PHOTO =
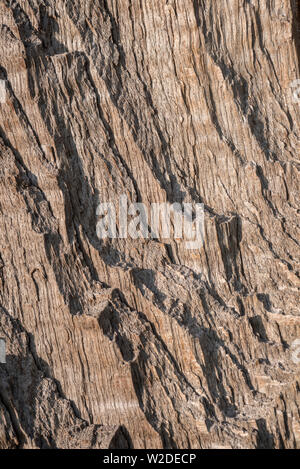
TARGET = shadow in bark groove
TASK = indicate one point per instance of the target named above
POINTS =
(265, 440)
(27, 386)
(20, 380)
(121, 440)
(208, 340)
(143, 348)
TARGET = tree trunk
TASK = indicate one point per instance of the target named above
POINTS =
(146, 342)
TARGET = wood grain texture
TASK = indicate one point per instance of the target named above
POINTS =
(142, 343)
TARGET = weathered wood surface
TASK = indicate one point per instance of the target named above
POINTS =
(142, 343)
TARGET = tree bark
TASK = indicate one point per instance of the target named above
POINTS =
(119, 343)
